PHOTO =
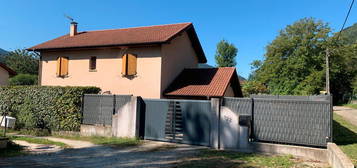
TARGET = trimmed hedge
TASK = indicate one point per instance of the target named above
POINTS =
(45, 107)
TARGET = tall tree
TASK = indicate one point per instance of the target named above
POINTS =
(295, 61)
(226, 54)
(22, 61)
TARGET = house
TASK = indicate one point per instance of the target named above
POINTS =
(142, 61)
(5, 74)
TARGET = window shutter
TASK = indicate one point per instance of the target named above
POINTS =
(124, 65)
(58, 72)
(131, 70)
(64, 66)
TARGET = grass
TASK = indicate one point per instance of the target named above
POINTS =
(109, 141)
(38, 141)
(12, 150)
(351, 105)
(33, 132)
(345, 136)
(214, 158)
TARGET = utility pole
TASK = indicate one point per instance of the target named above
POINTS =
(327, 72)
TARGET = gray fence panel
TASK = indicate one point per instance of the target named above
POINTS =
(197, 119)
(91, 107)
(289, 97)
(155, 118)
(98, 109)
(292, 121)
(120, 101)
(106, 112)
(241, 106)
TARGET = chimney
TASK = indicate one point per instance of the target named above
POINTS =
(73, 29)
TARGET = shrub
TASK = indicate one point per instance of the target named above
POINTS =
(23, 79)
(45, 107)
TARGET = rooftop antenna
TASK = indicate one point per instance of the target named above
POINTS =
(70, 18)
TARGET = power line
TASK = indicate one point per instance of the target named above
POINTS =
(328, 52)
(344, 23)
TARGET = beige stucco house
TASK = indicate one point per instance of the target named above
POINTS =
(5, 74)
(142, 61)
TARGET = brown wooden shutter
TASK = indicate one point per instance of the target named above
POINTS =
(58, 72)
(124, 64)
(64, 66)
(131, 64)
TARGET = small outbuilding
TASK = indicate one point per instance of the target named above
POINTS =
(5, 74)
(205, 83)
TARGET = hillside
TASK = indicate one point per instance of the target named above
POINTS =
(2, 52)
(350, 33)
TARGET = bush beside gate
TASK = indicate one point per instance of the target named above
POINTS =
(44, 107)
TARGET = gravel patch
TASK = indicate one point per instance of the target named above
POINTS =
(150, 154)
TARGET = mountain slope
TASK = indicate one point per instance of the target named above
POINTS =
(350, 33)
(2, 51)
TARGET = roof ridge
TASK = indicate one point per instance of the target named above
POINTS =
(188, 23)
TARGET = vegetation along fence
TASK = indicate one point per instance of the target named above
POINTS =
(99, 109)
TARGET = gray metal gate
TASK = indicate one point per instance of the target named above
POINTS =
(182, 121)
(99, 109)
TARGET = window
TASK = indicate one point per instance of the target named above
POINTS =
(62, 66)
(93, 63)
(129, 64)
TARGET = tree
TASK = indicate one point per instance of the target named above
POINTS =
(253, 87)
(22, 61)
(23, 79)
(295, 61)
(226, 54)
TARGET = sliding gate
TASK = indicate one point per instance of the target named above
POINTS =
(181, 121)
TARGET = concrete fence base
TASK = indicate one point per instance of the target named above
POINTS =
(94, 130)
(332, 155)
(336, 158)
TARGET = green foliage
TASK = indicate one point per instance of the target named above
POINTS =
(226, 54)
(23, 79)
(350, 34)
(253, 87)
(215, 158)
(44, 107)
(22, 61)
(38, 141)
(110, 141)
(345, 136)
(294, 62)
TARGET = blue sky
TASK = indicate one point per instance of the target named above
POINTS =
(250, 25)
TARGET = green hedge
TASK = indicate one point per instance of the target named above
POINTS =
(45, 107)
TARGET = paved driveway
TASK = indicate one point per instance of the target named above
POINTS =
(152, 154)
(347, 113)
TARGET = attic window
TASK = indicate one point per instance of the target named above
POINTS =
(62, 66)
(129, 64)
(93, 63)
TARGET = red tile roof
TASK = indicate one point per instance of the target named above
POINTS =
(9, 70)
(205, 82)
(124, 37)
